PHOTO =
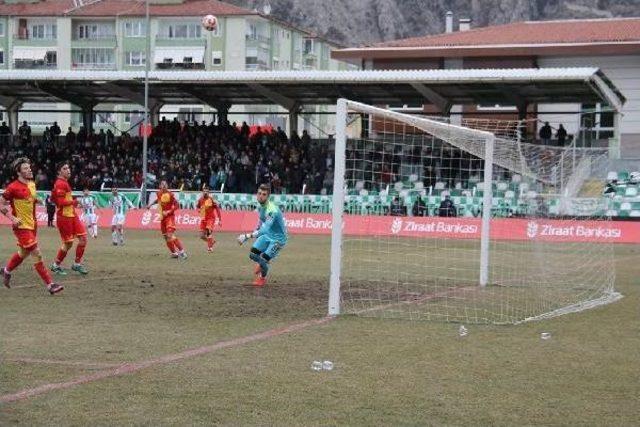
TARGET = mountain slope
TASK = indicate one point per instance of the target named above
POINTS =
(361, 22)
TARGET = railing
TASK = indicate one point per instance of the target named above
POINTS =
(164, 37)
(111, 37)
(89, 66)
(258, 38)
(33, 65)
(26, 36)
(257, 67)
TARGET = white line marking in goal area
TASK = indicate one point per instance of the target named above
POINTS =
(99, 365)
(129, 368)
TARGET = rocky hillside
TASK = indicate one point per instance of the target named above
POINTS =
(361, 22)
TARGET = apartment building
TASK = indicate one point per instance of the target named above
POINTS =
(111, 35)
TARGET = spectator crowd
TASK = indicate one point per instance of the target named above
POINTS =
(187, 155)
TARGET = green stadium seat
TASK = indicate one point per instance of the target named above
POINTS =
(623, 176)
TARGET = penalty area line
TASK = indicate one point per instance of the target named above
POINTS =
(129, 368)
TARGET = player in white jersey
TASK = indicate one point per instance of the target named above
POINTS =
(120, 205)
(88, 204)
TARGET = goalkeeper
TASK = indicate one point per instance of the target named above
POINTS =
(270, 235)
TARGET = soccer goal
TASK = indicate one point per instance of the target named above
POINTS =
(459, 222)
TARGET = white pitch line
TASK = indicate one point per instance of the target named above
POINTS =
(129, 368)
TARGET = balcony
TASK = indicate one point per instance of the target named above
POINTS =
(92, 66)
(256, 67)
(34, 65)
(165, 41)
(93, 38)
(25, 39)
(105, 41)
(258, 38)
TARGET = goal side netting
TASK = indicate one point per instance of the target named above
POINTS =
(459, 222)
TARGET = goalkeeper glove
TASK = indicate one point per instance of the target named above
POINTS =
(243, 238)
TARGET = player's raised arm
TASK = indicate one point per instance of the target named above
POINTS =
(128, 202)
(152, 203)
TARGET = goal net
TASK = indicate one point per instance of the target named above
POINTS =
(462, 223)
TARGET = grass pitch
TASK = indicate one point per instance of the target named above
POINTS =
(138, 305)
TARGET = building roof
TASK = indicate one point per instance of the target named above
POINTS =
(563, 37)
(289, 89)
(103, 8)
(533, 33)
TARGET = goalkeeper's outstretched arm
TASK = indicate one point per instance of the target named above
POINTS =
(246, 236)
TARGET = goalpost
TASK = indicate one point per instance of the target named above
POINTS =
(459, 222)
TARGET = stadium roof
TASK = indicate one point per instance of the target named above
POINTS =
(568, 37)
(292, 89)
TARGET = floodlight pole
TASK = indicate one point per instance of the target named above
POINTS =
(146, 106)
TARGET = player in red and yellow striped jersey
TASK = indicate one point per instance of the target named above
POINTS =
(168, 205)
(209, 211)
(68, 222)
(21, 196)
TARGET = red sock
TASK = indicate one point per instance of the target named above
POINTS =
(79, 253)
(60, 257)
(171, 246)
(14, 262)
(210, 241)
(43, 273)
(177, 243)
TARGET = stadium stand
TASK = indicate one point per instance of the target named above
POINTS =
(187, 155)
(237, 158)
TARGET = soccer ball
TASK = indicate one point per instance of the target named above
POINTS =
(210, 23)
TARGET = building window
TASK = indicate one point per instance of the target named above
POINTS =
(135, 29)
(94, 31)
(1, 29)
(44, 31)
(257, 59)
(1, 57)
(596, 123)
(134, 117)
(93, 58)
(307, 46)
(252, 32)
(135, 59)
(183, 31)
(216, 57)
(105, 118)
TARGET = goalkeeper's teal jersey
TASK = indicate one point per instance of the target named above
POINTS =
(272, 223)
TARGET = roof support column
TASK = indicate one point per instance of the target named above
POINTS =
(522, 121)
(154, 113)
(12, 111)
(222, 113)
(294, 115)
(87, 118)
(615, 143)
